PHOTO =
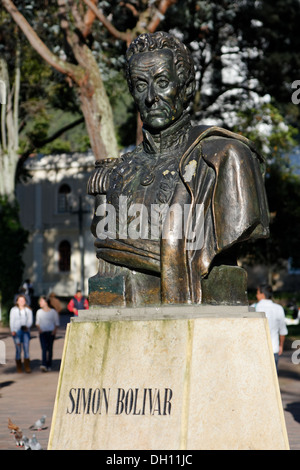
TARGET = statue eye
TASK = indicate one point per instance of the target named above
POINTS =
(162, 83)
(141, 86)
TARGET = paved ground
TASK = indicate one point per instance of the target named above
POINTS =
(26, 397)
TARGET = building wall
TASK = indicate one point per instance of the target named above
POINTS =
(40, 214)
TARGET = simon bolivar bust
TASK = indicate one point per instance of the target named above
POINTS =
(169, 214)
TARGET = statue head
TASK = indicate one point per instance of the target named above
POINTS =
(161, 78)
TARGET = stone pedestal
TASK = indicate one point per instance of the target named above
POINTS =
(168, 378)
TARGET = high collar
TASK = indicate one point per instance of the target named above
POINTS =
(168, 139)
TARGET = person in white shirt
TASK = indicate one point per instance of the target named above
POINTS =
(276, 318)
(20, 321)
(47, 321)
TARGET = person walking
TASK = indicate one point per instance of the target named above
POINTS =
(20, 322)
(276, 318)
(47, 321)
(78, 302)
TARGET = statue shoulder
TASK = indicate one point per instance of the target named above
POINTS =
(219, 145)
(216, 147)
(107, 168)
(97, 183)
(217, 137)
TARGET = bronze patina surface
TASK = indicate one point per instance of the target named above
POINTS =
(170, 214)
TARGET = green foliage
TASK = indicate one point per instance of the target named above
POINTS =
(45, 123)
(39, 131)
(57, 146)
(283, 193)
(272, 29)
(266, 127)
(294, 332)
(274, 138)
(13, 239)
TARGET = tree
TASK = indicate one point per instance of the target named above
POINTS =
(273, 33)
(30, 95)
(246, 54)
(84, 74)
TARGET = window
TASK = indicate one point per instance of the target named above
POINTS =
(63, 198)
(64, 260)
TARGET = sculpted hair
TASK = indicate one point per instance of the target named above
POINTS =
(184, 64)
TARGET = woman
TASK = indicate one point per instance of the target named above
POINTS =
(20, 321)
(46, 322)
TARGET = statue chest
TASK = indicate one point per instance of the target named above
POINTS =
(143, 185)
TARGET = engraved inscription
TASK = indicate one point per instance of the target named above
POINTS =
(120, 401)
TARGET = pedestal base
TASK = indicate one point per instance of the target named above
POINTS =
(174, 377)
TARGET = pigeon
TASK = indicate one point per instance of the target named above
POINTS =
(34, 444)
(13, 428)
(26, 443)
(39, 424)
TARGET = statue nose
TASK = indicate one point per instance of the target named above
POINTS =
(151, 95)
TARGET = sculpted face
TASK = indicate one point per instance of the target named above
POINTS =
(157, 90)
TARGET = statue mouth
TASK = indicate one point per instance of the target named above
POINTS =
(156, 110)
(157, 113)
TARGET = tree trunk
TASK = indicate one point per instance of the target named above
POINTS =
(96, 107)
(9, 131)
(8, 164)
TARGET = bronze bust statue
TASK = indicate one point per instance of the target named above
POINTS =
(170, 214)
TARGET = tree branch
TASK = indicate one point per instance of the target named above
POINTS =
(107, 24)
(225, 88)
(73, 71)
(159, 14)
(49, 139)
(131, 8)
(72, 38)
(88, 20)
(127, 36)
(79, 22)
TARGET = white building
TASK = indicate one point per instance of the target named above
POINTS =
(57, 212)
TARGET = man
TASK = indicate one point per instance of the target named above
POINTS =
(78, 302)
(210, 178)
(276, 318)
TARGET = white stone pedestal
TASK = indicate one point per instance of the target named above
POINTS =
(168, 378)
